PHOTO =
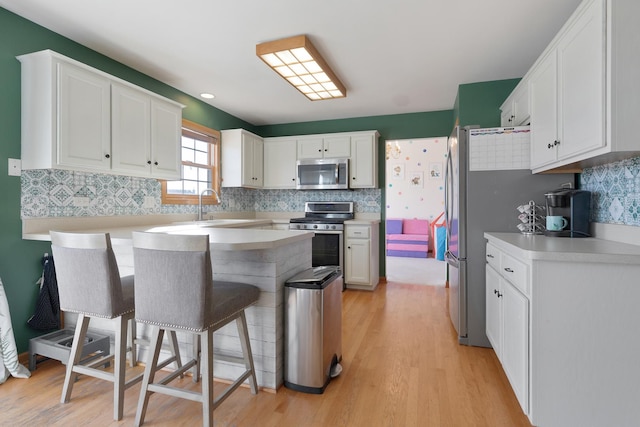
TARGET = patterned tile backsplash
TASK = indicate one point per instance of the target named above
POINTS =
(615, 191)
(58, 193)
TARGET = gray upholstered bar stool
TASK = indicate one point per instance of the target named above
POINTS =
(90, 285)
(175, 291)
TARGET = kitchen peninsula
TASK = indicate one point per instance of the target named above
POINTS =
(265, 258)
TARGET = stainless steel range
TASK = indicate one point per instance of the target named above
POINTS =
(326, 219)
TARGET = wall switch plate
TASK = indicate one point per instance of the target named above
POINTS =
(15, 167)
(149, 202)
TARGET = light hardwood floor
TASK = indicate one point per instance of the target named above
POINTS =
(401, 365)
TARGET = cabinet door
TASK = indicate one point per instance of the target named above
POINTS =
(506, 114)
(521, 105)
(310, 148)
(356, 259)
(252, 161)
(130, 130)
(494, 310)
(363, 163)
(166, 133)
(280, 163)
(258, 162)
(544, 112)
(337, 147)
(84, 119)
(515, 342)
(581, 84)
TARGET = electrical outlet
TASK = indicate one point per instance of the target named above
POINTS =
(81, 201)
(15, 167)
(149, 202)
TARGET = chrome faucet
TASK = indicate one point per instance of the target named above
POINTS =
(206, 190)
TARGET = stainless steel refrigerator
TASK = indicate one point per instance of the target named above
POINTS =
(481, 198)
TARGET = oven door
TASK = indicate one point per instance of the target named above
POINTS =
(327, 248)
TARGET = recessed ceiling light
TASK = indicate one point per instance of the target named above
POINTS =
(207, 95)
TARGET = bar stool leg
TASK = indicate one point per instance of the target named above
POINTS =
(243, 333)
(74, 356)
(207, 378)
(149, 373)
(195, 371)
(119, 367)
(133, 350)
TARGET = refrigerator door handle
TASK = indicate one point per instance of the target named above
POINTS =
(451, 259)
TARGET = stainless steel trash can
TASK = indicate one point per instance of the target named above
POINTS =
(313, 329)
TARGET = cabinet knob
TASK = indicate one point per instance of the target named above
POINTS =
(495, 291)
(155, 163)
(508, 270)
(490, 256)
(549, 145)
(107, 156)
(499, 295)
(326, 149)
(353, 178)
(320, 151)
(556, 142)
(348, 247)
(148, 162)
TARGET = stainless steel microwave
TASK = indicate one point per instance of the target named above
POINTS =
(322, 174)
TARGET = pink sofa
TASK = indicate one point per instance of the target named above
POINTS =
(407, 237)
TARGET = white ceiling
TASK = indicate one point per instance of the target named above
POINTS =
(394, 57)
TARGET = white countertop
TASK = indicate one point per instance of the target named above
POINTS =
(221, 237)
(362, 221)
(565, 249)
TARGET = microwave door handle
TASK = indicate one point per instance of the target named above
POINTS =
(337, 173)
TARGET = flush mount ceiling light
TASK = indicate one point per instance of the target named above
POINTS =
(206, 95)
(298, 62)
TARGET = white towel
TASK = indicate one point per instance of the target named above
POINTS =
(9, 364)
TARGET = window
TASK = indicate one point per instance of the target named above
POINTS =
(200, 153)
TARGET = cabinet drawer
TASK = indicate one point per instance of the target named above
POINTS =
(493, 256)
(358, 232)
(515, 272)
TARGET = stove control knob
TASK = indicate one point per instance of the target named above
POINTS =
(333, 227)
(315, 226)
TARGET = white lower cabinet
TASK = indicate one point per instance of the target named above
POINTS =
(361, 256)
(507, 324)
(515, 342)
(561, 315)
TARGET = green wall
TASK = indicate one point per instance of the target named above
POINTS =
(479, 103)
(20, 261)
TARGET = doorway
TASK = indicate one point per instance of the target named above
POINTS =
(414, 190)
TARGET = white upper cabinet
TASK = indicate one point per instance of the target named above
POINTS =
(131, 115)
(83, 118)
(144, 134)
(324, 146)
(516, 109)
(78, 118)
(166, 129)
(280, 163)
(360, 148)
(242, 159)
(584, 89)
(363, 164)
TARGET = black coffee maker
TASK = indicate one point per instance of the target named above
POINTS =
(575, 206)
